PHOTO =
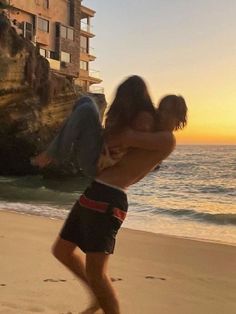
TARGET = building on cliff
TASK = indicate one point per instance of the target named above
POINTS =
(62, 31)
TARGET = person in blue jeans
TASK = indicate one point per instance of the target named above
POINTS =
(81, 138)
(88, 236)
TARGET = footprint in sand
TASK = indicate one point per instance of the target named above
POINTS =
(9, 305)
(22, 308)
(54, 280)
(152, 277)
(116, 279)
(36, 310)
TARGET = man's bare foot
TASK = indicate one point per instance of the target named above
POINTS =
(42, 160)
(92, 309)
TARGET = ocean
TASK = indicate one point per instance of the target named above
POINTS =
(193, 195)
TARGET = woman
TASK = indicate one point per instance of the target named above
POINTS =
(171, 115)
(81, 139)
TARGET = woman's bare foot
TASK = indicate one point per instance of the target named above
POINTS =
(42, 160)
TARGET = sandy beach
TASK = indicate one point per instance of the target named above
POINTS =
(152, 273)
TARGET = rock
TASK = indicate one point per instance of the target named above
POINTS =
(34, 102)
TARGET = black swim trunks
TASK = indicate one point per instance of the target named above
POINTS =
(95, 218)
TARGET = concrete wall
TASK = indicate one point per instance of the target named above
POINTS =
(58, 11)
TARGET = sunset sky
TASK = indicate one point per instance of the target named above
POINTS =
(185, 47)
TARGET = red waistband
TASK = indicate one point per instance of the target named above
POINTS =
(101, 207)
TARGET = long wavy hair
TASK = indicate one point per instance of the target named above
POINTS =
(131, 97)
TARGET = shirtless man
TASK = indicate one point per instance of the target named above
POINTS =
(149, 149)
(87, 238)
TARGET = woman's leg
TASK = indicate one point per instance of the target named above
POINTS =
(80, 138)
(96, 270)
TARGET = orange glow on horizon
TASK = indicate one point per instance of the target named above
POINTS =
(201, 137)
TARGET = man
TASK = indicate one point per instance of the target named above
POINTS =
(148, 150)
(96, 217)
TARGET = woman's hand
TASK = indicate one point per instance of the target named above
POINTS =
(120, 140)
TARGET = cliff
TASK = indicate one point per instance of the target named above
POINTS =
(34, 101)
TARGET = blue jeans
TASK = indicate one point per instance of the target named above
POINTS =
(80, 139)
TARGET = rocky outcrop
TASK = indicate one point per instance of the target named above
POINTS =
(33, 101)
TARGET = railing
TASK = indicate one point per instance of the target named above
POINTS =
(91, 50)
(94, 73)
(96, 89)
(86, 27)
(84, 50)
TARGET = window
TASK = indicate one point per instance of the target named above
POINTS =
(28, 26)
(70, 10)
(65, 57)
(67, 32)
(83, 85)
(84, 44)
(28, 30)
(46, 4)
(54, 55)
(43, 25)
(42, 52)
(63, 32)
(70, 33)
(57, 30)
(84, 65)
(48, 54)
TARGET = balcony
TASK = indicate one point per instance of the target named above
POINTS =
(87, 55)
(91, 53)
(86, 29)
(94, 77)
(54, 64)
(94, 73)
(86, 12)
(96, 89)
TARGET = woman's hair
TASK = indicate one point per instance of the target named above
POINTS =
(131, 97)
(176, 107)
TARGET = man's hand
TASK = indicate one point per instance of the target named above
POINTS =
(42, 160)
(151, 141)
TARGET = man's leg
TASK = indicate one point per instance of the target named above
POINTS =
(65, 252)
(71, 257)
(96, 270)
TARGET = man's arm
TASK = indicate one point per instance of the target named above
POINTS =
(151, 141)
